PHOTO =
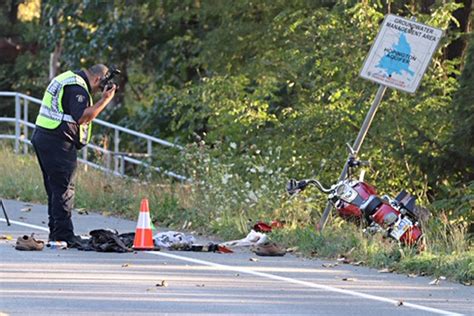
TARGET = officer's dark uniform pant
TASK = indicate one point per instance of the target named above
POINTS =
(58, 161)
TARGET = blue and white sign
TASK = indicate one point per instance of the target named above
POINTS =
(401, 53)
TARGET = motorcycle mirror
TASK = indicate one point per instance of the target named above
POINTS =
(292, 187)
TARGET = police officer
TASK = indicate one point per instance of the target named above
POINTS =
(63, 126)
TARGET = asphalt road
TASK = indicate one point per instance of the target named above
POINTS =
(72, 282)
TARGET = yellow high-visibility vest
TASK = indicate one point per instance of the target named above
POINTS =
(51, 113)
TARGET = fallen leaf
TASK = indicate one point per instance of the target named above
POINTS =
(26, 209)
(385, 270)
(435, 282)
(82, 211)
(358, 263)
(6, 237)
(253, 259)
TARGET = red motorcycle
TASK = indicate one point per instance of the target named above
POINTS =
(357, 200)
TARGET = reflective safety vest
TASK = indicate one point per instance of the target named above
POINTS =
(51, 113)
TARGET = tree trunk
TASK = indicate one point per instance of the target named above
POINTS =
(54, 61)
(458, 47)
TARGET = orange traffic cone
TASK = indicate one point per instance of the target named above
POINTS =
(143, 234)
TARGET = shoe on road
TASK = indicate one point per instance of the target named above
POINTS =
(28, 243)
(269, 249)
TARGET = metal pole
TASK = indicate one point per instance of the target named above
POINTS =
(357, 144)
(149, 153)
(17, 123)
(5, 213)
(84, 156)
(116, 149)
(25, 126)
(122, 165)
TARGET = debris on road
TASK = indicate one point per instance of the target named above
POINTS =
(358, 263)
(329, 265)
(6, 237)
(435, 282)
(163, 283)
(266, 228)
(29, 243)
(268, 249)
(344, 260)
(252, 238)
(253, 259)
(292, 249)
(349, 279)
(82, 211)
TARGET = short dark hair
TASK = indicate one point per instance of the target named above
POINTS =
(98, 70)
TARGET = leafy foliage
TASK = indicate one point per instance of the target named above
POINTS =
(267, 90)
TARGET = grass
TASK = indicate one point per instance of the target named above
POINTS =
(448, 253)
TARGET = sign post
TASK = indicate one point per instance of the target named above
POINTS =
(398, 59)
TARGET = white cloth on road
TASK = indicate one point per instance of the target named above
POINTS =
(173, 239)
(253, 238)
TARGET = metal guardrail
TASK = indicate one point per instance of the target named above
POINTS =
(120, 158)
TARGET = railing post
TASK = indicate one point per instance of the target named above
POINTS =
(25, 126)
(148, 148)
(149, 152)
(84, 156)
(17, 123)
(108, 160)
(116, 149)
(122, 165)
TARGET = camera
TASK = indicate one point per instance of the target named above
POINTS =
(107, 82)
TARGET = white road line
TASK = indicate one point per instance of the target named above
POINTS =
(279, 278)
(26, 225)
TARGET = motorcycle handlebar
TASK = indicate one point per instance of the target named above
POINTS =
(294, 186)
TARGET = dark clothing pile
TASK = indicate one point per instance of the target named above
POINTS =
(105, 240)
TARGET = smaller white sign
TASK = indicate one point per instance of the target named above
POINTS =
(401, 53)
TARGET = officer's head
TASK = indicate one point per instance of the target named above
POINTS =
(95, 74)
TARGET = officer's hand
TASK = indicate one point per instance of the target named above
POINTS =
(109, 94)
